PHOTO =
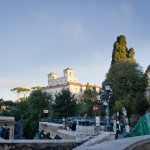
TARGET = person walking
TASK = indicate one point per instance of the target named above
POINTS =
(117, 129)
(73, 126)
(127, 128)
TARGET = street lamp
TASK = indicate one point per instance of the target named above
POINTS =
(108, 94)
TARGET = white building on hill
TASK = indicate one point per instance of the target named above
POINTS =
(55, 85)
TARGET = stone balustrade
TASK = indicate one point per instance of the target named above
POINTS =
(133, 143)
(39, 144)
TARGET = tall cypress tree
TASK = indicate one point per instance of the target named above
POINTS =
(148, 69)
(121, 52)
(130, 55)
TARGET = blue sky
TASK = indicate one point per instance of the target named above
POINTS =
(42, 36)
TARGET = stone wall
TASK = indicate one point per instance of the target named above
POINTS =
(55, 129)
(132, 143)
(39, 144)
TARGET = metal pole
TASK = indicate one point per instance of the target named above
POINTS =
(95, 118)
(108, 116)
(108, 113)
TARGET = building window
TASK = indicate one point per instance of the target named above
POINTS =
(80, 89)
(76, 89)
(70, 74)
(65, 74)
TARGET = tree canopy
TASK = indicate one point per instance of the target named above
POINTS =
(128, 83)
(148, 69)
(64, 104)
(121, 52)
(35, 104)
(20, 90)
(89, 99)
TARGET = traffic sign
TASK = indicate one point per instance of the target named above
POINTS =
(95, 108)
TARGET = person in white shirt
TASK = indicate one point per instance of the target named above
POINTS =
(127, 128)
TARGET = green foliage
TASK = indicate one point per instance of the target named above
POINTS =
(130, 55)
(20, 90)
(89, 99)
(127, 81)
(88, 86)
(121, 52)
(120, 49)
(9, 108)
(126, 78)
(65, 104)
(148, 69)
(119, 105)
(140, 105)
(35, 104)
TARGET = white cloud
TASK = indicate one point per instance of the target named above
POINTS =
(58, 69)
(121, 17)
(73, 32)
(6, 82)
(94, 74)
(11, 83)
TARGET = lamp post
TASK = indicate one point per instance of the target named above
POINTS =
(108, 94)
(104, 97)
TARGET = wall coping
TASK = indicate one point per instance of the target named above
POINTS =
(121, 144)
(12, 141)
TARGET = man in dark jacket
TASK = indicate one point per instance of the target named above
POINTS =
(117, 129)
(3, 130)
(6, 134)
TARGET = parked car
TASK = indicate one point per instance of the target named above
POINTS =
(106, 127)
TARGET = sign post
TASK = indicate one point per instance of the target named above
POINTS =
(97, 120)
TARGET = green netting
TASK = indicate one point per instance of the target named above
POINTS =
(141, 128)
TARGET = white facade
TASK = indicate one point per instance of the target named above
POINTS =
(55, 85)
(68, 77)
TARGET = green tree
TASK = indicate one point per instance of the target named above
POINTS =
(148, 69)
(20, 90)
(35, 104)
(89, 99)
(9, 108)
(120, 49)
(147, 72)
(140, 104)
(127, 82)
(65, 104)
(121, 52)
(130, 55)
